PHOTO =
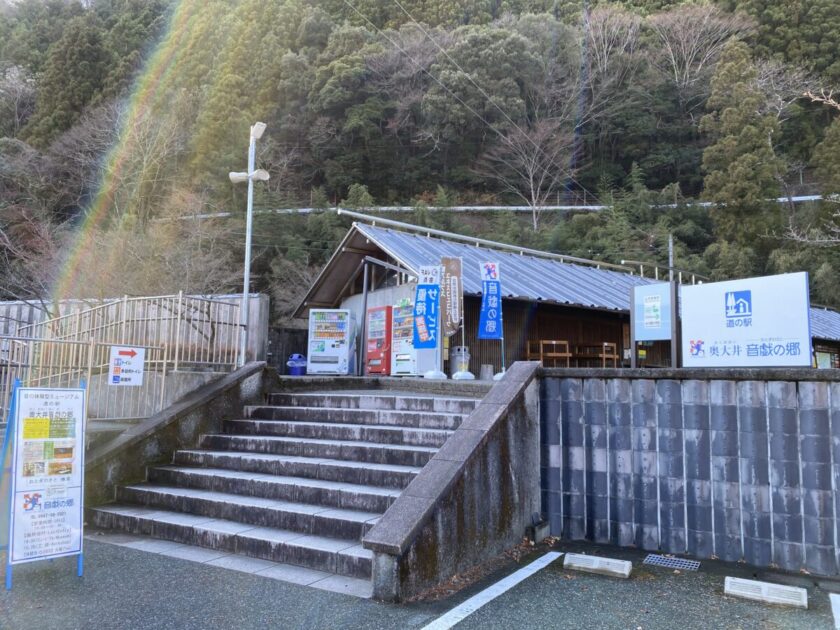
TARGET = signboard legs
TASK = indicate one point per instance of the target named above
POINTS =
(7, 474)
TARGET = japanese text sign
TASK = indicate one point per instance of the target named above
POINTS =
(426, 308)
(126, 366)
(652, 311)
(452, 306)
(47, 474)
(490, 319)
(742, 323)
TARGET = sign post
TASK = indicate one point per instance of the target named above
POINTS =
(651, 316)
(739, 323)
(427, 319)
(47, 476)
(491, 323)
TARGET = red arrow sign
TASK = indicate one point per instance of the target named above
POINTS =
(127, 353)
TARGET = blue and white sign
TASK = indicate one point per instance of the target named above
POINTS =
(741, 323)
(490, 324)
(652, 311)
(426, 308)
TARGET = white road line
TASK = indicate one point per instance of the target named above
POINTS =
(462, 611)
(835, 608)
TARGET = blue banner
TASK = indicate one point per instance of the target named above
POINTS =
(426, 301)
(490, 320)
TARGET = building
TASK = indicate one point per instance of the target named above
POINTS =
(546, 297)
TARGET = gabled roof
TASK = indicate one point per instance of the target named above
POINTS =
(524, 276)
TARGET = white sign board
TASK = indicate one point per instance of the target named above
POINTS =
(126, 366)
(652, 311)
(756, 322)
(429, 275)
(47, 474)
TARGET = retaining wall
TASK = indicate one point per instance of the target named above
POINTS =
(734, 464)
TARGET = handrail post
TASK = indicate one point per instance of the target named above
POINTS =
(177, 335)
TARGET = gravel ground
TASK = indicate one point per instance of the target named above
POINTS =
(126, 588)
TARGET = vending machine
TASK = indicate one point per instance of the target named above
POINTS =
(405, 359)
(378, 342)
(332, 342)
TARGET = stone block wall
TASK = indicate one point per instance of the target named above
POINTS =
(739, 467)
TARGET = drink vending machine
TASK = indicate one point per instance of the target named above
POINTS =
(332, 342)
(378, 342)
(405, 359)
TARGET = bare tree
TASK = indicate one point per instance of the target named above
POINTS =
(781, 84)
(692, 38)
(17, 99)
(825, 96)
(526, 163)
(825, 235)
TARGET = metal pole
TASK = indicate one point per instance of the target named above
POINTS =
(674, 309)
(244, 310)
(633, 358)
(363, 340)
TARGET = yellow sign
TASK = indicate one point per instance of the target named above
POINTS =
(36, 428)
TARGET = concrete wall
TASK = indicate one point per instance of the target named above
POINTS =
(125, 459)
(734, 464)
(473, 500)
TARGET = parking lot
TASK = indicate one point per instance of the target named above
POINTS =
(128, 588)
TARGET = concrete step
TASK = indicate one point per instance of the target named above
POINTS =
(417, 419)
(397, 402)
(344, 557)
(331, 431)
(358, 451)
(284, 488)
(327, 469)
(315, 520)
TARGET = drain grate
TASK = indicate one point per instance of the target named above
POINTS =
(671, 563)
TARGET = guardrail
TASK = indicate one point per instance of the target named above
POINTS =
(194, 331)
(68, 363)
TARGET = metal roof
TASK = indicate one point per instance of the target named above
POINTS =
(523, 277)
(825, 324)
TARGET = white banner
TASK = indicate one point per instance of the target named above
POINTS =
(755, 322)
(48, 474)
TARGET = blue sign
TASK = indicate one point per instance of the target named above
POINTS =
(738, 309)
(426, 315)
(652, 311)
(490, 321)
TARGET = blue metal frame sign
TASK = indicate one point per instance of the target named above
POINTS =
(755, 322)
(652, 312)
(47, 490)
(426, 307)
(490, 324)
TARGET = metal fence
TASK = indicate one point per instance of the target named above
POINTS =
(69, 363)
(195, 332)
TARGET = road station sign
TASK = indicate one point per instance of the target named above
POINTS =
(126, 366)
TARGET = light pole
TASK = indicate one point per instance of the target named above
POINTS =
(260, 175)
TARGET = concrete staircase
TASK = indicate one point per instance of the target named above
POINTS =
(299, 481)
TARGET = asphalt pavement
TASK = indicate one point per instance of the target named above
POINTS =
(128, 588)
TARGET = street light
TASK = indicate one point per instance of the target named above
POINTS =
(237, 178)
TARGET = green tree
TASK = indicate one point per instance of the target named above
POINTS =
(742, 169)
(73, 75)
(826, 159)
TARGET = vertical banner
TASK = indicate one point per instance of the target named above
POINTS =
(426, 304)
(451, 288)
(490, 320)
(47, 474)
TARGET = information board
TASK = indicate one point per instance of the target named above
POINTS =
(126, 366)
(755, 322)
(426, 305)
(652, 311)
(47, 474)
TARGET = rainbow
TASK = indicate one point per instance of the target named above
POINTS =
(147, 87)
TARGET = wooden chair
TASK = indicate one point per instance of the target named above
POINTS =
(554, 351)
(609, 353)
